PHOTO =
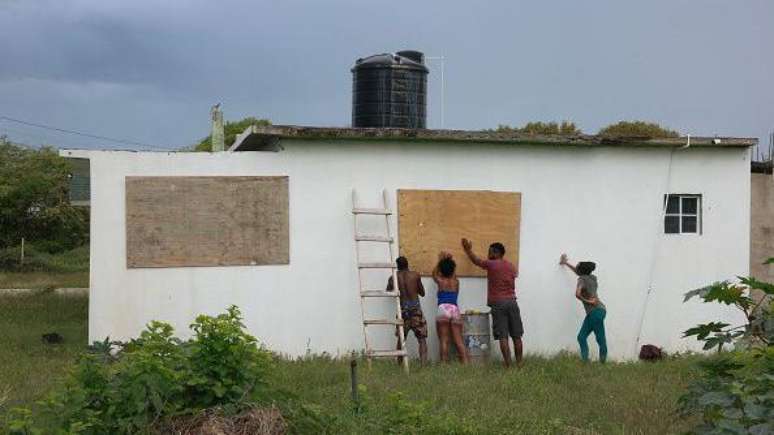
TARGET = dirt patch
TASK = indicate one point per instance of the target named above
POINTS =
(258, 421)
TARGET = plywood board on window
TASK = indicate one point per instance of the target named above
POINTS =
(433, 220)
(206, 221)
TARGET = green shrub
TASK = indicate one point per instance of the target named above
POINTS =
(231, 129)
(133, 387)
(542, 128)
(226, 364)
(637, 129)
(736, 392)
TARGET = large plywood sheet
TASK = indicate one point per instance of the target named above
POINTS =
(433, 220)
(206, 221)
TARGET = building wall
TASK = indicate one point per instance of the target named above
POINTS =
(601, 204)
(762, 226)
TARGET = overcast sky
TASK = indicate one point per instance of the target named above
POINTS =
(148, 71)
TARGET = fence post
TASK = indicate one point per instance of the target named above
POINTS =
(21, 261)
(353, 379)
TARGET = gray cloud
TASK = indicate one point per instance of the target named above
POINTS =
(149, 71)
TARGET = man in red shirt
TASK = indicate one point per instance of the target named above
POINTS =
(501, 297)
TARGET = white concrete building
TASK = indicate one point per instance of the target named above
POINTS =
(594, 198)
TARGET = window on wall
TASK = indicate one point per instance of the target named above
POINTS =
(683, 214)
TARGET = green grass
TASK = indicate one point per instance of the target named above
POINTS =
(42, 270)
(29, 367)
(557, 395)
(43, 280)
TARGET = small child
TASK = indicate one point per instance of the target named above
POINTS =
(586, 292)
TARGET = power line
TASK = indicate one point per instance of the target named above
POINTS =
(79, 133)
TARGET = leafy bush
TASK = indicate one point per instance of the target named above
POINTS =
(136, 386)
(637, 129)
(231, 129)
(226, 363)
(736, 392)
(758, 314)
(542, 128)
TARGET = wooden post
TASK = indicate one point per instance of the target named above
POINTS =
(21, 260)
(353, 376)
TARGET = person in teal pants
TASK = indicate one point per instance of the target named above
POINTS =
(586, 292)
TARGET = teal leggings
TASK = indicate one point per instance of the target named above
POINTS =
(594, 322)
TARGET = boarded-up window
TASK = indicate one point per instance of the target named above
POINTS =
(433, 220)
(206, 221)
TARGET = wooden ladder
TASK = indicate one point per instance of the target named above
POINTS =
(366, 294)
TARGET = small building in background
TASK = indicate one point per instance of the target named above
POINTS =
(80, 182)
(762, 220)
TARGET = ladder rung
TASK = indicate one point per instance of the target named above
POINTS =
(386, 353)
(371, 211)
(376, 266)
(383, 322)
(378, 294)
(372, 238)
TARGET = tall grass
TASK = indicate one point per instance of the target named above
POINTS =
(548, 396)
(43, 270)
(36, 259)
(551, 396)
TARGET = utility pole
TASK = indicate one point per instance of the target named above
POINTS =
(218, 136)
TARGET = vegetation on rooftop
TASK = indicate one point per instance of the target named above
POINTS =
(231, 129)
(637, 129)
(542, 128)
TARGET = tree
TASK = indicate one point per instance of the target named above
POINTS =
(231, 130)
(542, 128)
(637, 129)
(34, 201)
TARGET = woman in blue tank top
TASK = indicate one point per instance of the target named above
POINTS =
(448, 320)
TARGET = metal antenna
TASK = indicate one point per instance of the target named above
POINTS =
(442, 60)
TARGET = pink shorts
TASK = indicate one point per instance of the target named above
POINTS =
(448, 312)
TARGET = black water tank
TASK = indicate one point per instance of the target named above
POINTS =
(390, 90)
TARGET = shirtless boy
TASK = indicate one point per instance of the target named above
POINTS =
(410, 287)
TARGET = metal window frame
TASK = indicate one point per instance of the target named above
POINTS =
(680, 214)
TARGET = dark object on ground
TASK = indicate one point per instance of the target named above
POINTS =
(253, 421)
(52, 338)
(649, 352)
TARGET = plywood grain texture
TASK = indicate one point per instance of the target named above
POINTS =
(206, 221)
(433, 220)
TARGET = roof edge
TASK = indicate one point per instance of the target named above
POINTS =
(255, 137)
